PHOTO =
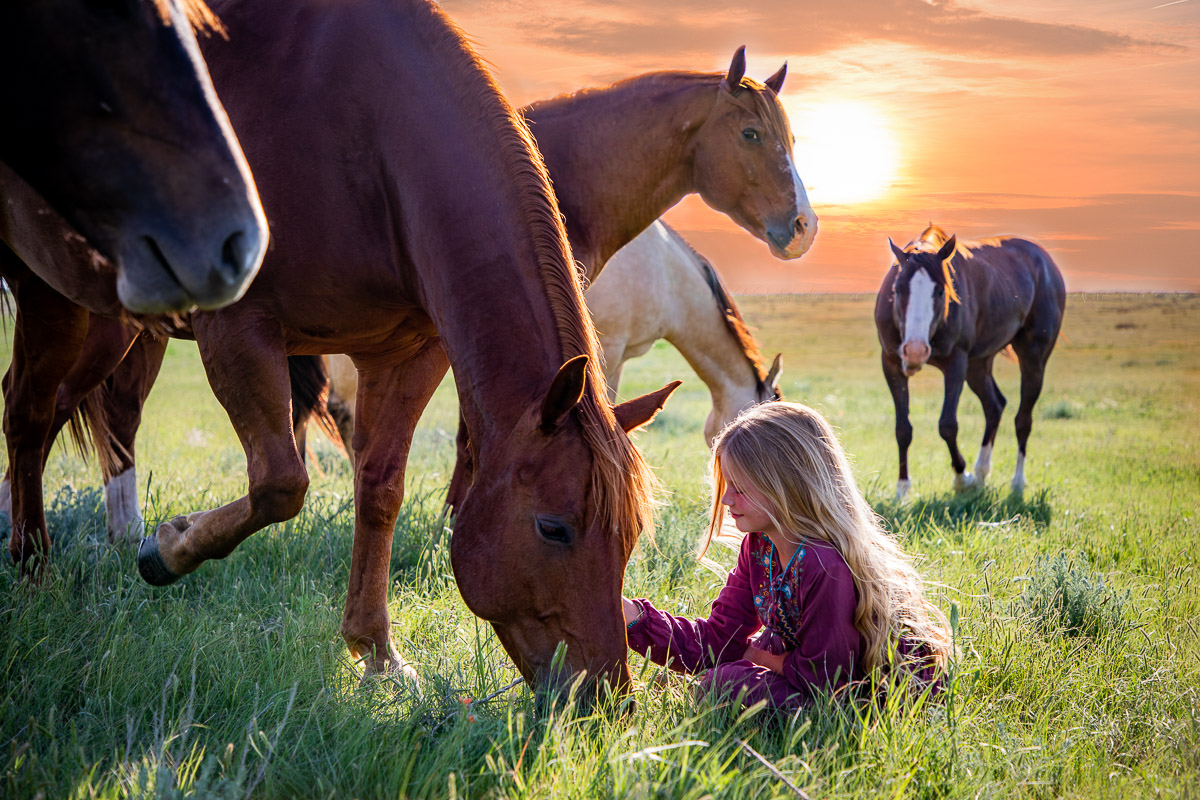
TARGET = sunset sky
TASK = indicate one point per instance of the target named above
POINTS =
(1075, 123)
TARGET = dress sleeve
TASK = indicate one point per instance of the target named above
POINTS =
(830, 646)
(696, 645)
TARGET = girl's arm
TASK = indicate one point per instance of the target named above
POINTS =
(695, 645)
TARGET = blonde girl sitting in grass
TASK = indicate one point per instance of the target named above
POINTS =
(829, 593)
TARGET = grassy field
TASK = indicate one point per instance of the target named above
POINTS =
(1077, 607)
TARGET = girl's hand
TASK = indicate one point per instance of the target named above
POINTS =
(764, 659)
(631, 610)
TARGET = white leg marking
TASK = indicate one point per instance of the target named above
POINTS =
(6, 499)
(902, 488)
(125, 522)
(983, 464)
(918, 317)
(1018, 481)
(963, 481)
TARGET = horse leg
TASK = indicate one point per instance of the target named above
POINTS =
(897, 383)
(389, 403)
(979, 378)
(954, 374)
(249, 376)
(47, 339)
(124, 398)
(464, 469)
(1032, 355)
(105, 345)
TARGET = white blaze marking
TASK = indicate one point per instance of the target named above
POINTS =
(983, 464)
(804, 211)
(918, 317)
(121, 504)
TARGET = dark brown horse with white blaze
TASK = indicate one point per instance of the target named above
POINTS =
(122, 189)
(415, 229)
(123, 186)
(955, 305)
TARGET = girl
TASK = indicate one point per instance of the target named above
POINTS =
(835, 596)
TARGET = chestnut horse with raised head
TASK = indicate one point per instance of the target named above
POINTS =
(620, 156)
(418, 232)
(122, 184)
(955, 305)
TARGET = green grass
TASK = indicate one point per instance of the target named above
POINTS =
(234, 682)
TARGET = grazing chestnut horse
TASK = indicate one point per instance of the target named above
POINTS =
(655, 287)
(955, 305)
(121, 183)
(415, 229)
(619, 157)
(658, 287)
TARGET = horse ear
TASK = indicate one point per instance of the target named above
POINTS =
(775, 82)
(565, 392)
(633, 414)
(774, 373)
(737, 68)
(901, 256)
(947, 249)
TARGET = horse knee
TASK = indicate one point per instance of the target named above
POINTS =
(904, 433)
(281, 499)
(948, 430)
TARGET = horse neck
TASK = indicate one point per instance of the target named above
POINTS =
(701, 334)
(620, 157)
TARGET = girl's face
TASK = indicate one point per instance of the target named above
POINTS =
(746, 506)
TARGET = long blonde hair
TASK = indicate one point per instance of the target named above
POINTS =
(790, 454)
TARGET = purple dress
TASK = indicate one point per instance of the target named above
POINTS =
(805, 609)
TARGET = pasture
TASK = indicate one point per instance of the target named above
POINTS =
(1076, 606)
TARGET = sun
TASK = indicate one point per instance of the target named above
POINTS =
(846, 152)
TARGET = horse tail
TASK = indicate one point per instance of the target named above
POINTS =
(90, 431)
(310, 397)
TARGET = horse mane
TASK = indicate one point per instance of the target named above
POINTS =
(730, 313)
(622, 485)
(749, 94)
(197, 13)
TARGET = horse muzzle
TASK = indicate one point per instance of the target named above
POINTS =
(795, 238)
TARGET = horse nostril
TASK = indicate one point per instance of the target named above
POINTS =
(235, 258)
(801, 225)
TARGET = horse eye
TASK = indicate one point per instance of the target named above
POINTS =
(751, 135)
(553, 531)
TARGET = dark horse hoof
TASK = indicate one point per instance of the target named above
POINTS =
(151, 566)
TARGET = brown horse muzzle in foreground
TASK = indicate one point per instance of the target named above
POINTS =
(112, 124)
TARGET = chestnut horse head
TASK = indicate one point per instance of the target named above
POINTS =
(744, 164)
(923, 291)
(111, 119)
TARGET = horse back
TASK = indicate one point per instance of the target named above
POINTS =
(1006, 284)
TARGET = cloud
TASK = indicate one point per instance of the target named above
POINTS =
(632, 27)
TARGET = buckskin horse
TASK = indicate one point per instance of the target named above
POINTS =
(415, 229)
(955, 305)
(619, 156)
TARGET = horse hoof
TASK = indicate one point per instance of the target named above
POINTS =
(150, 564)
(964, 481)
